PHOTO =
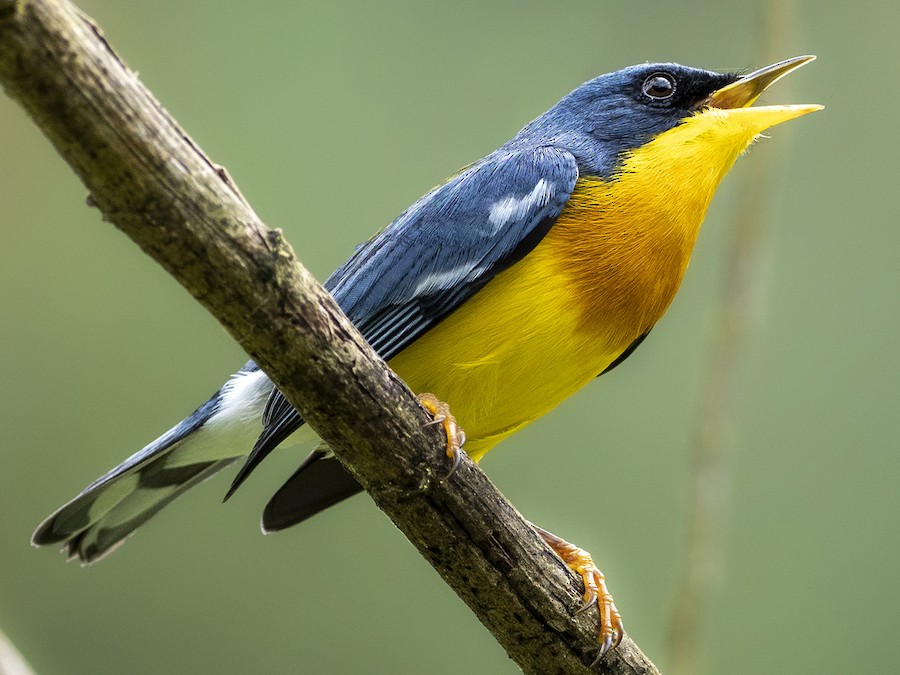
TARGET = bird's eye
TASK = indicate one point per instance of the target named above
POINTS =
(659, 86)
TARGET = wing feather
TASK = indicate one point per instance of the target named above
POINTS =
(436, 255)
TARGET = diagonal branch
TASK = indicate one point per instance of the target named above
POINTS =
(150, 180)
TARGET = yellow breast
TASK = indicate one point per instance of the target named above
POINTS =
(603, 275)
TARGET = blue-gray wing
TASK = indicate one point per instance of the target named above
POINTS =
(436, 255)
(450, 243)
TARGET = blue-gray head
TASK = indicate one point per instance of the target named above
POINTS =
(623, 110)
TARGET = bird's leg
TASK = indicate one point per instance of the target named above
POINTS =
(440, 412)
(595, 590)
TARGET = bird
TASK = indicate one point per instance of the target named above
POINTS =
(502, 291)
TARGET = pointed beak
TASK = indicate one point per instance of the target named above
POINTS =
(739, 95)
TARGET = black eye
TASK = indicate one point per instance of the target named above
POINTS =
(659, 86)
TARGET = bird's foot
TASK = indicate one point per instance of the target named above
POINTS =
(595, 590)
(456, 437)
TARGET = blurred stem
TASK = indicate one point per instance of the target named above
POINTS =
(11, 661)
(739, 308)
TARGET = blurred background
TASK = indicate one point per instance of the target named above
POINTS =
(333, 117)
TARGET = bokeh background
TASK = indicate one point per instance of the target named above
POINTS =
(333, 117)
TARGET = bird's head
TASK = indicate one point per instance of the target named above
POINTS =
(695, 113)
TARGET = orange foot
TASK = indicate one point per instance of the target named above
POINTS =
(595, 590)
(456, 437)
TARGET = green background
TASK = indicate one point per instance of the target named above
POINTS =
(333, 117)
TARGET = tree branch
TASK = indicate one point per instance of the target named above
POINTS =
(151, 181)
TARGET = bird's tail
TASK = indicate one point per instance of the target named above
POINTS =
(111, 508)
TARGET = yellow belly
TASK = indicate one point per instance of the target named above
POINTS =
(507, 356)
(538, 331)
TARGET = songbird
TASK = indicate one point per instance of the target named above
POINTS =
(502, 291)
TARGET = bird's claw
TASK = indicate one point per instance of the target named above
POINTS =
(595, 591)
(587, 604)
(604, 649)
(456, 437)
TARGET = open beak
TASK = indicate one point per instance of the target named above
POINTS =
(737, 97)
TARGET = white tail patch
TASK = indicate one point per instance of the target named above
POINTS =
(233, 428)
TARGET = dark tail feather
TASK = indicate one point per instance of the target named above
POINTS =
(320, 482)
(98, 540)
(109, 509)
(259, 453)
(280, 420)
